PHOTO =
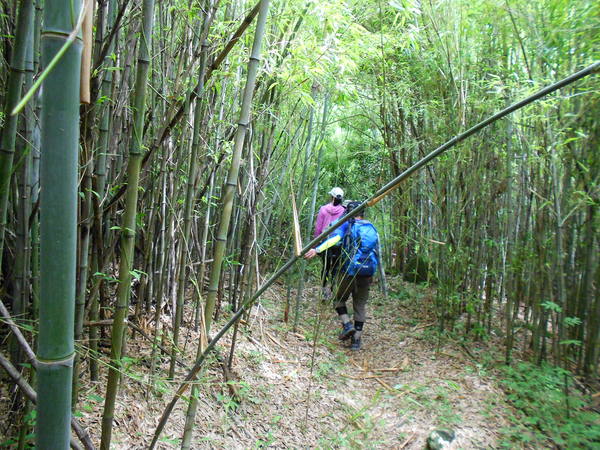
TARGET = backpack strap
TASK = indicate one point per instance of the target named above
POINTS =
(348, 233)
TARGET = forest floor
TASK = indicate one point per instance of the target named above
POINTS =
(292, 390)
(304, 389)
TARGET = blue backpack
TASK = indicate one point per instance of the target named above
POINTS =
(360, 241)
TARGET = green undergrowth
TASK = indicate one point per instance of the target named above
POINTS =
(357, 430)
(549, 410)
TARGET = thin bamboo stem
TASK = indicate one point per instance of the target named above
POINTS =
(129, 223)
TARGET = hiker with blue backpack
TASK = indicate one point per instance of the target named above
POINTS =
(358, 240)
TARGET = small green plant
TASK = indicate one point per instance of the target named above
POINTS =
(356, 434)
(550, 411)
(106, 277)
(228, 402)
(323, 369)
(255, 357)
(10, 442)
(176, 442)
(266, 441)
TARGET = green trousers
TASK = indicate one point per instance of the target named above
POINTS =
(359, 288)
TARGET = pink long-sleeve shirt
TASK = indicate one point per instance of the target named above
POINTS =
(327, 214)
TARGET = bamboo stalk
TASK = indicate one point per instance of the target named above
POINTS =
(231, 183)
(296, 229)
(58, 217)
(13, 93)
(190, 195)
(129, 223)
(86, 59)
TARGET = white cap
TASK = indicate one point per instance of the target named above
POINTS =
(336, 192)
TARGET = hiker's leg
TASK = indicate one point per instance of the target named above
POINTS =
(334, 262)
(325, 269)
(343, 291)
(360, 296)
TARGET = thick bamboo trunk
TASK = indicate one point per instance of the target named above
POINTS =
(60, 136)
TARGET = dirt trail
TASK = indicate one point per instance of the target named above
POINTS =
(390, 394)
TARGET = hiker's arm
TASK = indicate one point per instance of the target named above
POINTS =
(333, 239)
(324, 246)
(328, 243)
(336, 237)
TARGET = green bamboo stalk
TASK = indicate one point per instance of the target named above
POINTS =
(99, 183)
(129, 223)
(24, 213)
(231, 183)
(248, 244)
(83, 266)
(9, 131)
(23, 204)
(313, 200)
(105, 92)
(190, 197)
(59, 143)
(204, 243)
(592, 340)
(161, 255)
(307, 156)
(35, 173)
(86, 215)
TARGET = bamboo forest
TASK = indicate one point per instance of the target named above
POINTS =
(250, 224)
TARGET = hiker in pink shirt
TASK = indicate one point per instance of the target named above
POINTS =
(331, 257)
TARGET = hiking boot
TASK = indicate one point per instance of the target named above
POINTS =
(355, 344)
(347, 332)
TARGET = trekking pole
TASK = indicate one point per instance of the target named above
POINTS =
(375, 198)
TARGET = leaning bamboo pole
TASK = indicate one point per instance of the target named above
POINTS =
(58, 221)
(376, 197)
(129, 223)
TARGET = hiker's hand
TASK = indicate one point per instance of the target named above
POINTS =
(310, 254)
